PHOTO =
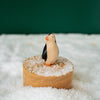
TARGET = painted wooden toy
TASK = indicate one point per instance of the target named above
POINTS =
(50, 51)
(58, 75)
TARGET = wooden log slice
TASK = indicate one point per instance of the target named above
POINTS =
(37, 74)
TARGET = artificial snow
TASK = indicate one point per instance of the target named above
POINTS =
(36, 65)
(82, 50)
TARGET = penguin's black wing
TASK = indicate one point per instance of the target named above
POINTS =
(58, 48)
(44, 53)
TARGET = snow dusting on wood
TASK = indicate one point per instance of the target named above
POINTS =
(37, 65)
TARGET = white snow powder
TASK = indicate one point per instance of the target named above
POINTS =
(82, 50)
(36, 65)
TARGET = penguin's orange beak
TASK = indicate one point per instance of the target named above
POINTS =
(46, 38)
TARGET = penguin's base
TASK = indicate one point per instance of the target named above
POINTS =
(37, 74)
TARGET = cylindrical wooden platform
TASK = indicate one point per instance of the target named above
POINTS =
(37, 74)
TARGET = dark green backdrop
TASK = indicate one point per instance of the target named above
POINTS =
(39, 16)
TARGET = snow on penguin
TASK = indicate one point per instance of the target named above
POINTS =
(50, 51)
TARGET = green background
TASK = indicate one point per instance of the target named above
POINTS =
(46, 16)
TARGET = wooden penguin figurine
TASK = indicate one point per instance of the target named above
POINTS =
(50, 51)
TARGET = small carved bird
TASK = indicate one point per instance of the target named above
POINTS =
(50, 51)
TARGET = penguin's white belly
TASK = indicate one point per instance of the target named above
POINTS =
(52, 53)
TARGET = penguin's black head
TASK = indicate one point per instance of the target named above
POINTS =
(51, 37)
(49, 33)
